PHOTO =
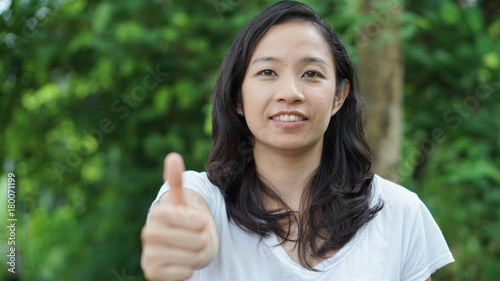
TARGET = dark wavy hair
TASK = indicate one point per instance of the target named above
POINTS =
(337, 197)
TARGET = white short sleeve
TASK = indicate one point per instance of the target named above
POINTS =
(427, 250)
(198, 182)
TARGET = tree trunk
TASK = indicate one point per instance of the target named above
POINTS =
(381, 83)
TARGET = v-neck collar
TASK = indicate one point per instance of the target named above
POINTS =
(328, 263)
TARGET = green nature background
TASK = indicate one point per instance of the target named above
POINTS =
(94, 94)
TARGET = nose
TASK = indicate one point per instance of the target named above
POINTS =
(290, 91)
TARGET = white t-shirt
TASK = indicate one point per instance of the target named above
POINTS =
(403, 242)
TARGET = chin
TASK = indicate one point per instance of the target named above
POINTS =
(294, 147)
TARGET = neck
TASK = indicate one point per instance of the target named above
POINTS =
(287, 173)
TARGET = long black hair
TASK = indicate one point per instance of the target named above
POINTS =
(337, 197)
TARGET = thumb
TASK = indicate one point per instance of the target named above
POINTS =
(172, 171)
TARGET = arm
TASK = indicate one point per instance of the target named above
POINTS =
(180, 235)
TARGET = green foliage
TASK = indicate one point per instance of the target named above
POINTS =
(451, 152)
(95, 93)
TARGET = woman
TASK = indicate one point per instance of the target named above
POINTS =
(288, 193)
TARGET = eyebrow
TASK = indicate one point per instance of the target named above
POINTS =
(259, 59)
(305, 59)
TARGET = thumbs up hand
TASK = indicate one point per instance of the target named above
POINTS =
(180, 236)
(172, 171)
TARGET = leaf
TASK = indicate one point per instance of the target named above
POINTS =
(80, 41)
(186, 93)
(474, 19)
(46, 95)
(491, 60)
(102, 16)
(449, 11)
(129, 32)
(162, 99)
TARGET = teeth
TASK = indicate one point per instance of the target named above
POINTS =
(288, 118)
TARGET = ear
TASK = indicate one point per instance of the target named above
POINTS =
(239, 109)
(340, 96)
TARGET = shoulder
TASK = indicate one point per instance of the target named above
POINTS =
(400, 204)
(393, 194)
(199, 182)
(403, 210)
(406, 221)
(195, 178)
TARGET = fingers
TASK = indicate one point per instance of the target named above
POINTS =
(172, 171)
(173, 272)
(166, 256)
(182, 239)
(165, 263)
(175, 238)
(170, 253)
(178, 216)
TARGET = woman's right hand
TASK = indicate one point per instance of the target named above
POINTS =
(180, 235)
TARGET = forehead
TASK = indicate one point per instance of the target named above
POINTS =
(293, 39)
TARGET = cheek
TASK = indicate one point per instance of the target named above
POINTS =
(254, 100)
(246, 94)
(323, 113)
(325, 106)
(253, 112)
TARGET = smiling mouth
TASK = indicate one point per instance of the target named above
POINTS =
(288, 118)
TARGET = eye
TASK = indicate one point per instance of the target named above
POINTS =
(312, 74)
(267, 72)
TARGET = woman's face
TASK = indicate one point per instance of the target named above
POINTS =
(289, 89)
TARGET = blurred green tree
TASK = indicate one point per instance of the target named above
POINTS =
(451, 154)
(95, 93)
